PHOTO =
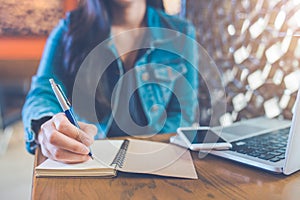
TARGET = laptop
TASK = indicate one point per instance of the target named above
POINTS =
(270, 144)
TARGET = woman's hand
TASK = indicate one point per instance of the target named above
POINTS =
(62, 141)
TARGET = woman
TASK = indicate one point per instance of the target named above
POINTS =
(151, 106)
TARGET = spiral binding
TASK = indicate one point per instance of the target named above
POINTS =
(120, 157)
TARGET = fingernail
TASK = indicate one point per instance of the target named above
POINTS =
(86, 141)
(87, 149)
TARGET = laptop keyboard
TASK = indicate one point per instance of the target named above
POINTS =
(269, 146)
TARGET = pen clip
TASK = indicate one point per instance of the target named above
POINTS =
(63, 95)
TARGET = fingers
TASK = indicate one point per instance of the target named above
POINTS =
(64, 142)
(89, 129)
(55, 153)
(85, 134)
(61, 140)
(62, 155)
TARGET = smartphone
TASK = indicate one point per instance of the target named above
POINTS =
(202, 138)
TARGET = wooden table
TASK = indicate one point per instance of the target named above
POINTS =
(218, 179)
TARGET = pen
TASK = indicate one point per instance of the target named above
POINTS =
(65, 105)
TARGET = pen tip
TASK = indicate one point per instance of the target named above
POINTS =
(91, 155)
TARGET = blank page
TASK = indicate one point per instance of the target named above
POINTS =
(159, 158)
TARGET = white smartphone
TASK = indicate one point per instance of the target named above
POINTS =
(202, 138)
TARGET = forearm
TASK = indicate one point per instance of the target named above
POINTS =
(40, 104)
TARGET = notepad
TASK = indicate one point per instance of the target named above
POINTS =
(133, 156)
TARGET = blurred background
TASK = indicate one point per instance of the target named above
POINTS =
(254, 43)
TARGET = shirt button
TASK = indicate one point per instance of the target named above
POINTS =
(145, 76)
(154, 108)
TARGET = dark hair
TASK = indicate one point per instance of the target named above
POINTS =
(88, 25)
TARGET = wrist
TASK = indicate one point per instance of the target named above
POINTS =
(36, 127)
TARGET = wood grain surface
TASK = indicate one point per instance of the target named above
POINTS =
(218, 179)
